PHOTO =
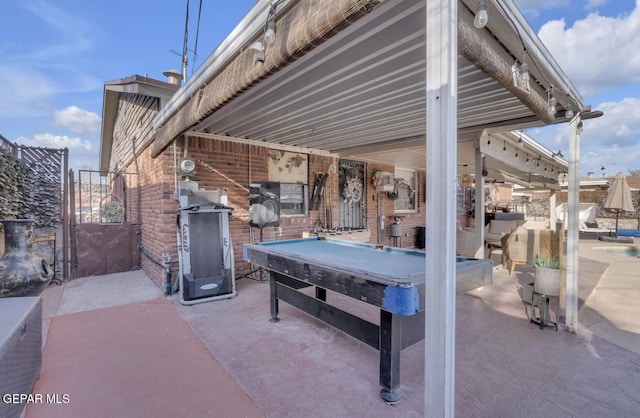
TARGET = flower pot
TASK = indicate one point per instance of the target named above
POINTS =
(22, 273)
(547, 281)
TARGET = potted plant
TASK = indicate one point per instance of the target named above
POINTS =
(546, 284)
(547, 276)
(547, 263)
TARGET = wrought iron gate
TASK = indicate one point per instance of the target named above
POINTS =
(352, 194)
(105, 222)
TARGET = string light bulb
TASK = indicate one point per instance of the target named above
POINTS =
(482, 17)
(551, 103)
(568, 113)
(524, 73)
(269, 35)
(521, 76)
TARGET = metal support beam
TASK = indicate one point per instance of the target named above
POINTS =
(441, 163)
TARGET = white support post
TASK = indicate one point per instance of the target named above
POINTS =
(552, 210)
(441, 162)
(479, 206)
(573, 203)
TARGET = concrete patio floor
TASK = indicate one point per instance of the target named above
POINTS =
(117, 347)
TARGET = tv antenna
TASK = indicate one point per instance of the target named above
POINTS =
(185, 46)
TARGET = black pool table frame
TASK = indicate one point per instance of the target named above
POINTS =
(288, 274)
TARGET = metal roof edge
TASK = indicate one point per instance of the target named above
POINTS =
(245, 32)
(537, 49)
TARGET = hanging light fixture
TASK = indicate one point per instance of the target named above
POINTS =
(466, 180)
(568, 113)
(482, 17)
(551, 103)
(270, 27)
(259, 48)
(521, 76)
(520, 141)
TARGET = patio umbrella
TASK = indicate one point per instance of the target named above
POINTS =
(619, 197)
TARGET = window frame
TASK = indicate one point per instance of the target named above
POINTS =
(304, 200)
(401, 173)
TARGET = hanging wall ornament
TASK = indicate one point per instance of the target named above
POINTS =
(352, 190)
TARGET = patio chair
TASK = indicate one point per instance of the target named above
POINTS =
(523, 245)
(496, 230)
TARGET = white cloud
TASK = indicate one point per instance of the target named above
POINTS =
(47, 140)
(80, 121)
(82, 153)
(618, 127)
(597, 52)
(23, 91)
(74, 31)
(592, 4)
(533, 7)
(37, 69)
(612, 141)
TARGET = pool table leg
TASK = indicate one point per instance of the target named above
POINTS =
(273, 297)
(390, 347)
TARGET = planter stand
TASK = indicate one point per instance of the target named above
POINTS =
(543, 320)
(546, 286)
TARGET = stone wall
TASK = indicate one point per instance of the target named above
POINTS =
(27, 192)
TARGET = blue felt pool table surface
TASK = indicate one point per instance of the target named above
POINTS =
(389, 261)
(388, 265)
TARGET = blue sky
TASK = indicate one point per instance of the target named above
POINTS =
(56, 55)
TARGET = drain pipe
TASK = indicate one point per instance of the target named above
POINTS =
(168, 272)
(166, 265)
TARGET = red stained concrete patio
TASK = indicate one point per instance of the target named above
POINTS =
(118, 348)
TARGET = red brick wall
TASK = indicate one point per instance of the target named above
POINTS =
(233, 166)
(378, 203)
(158, 211)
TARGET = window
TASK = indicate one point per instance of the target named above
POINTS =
(293, 199)
(404, 190)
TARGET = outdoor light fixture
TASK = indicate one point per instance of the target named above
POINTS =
(568, 113)
(482, 17)
(270, 33)
(270, 26)
(467, 180)
(521, 76)
(259, 48)
(552, 103)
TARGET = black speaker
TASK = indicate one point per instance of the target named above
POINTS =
(264, 204)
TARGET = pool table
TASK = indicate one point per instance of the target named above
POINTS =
(391, 279)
